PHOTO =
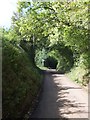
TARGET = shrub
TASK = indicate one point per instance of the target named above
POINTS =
(21, 81)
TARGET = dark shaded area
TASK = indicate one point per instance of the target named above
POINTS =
(66, 54)
(29, 49)
(54, 71)
(51, 62)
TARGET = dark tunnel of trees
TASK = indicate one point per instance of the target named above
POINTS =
(42, 35)
(50, 62)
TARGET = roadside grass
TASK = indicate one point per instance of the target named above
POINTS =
(78, 74)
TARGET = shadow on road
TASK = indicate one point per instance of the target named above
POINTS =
(54, 102)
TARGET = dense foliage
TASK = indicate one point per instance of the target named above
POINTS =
(51, 31)
(21, 81)
(60, 24)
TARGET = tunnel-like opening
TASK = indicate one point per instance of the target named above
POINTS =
(50, 62)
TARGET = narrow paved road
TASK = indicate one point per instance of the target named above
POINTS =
(61, 98)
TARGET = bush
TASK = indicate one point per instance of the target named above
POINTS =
(21, 81)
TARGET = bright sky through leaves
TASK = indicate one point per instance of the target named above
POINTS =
(7, 7)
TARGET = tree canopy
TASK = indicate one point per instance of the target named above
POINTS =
(60, 27)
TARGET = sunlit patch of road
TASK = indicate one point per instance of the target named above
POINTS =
(73, 98)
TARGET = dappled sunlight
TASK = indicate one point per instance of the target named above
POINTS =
(60, 99)
(67, 100)
(46, 42)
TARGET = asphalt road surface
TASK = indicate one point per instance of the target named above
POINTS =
(61, 98)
